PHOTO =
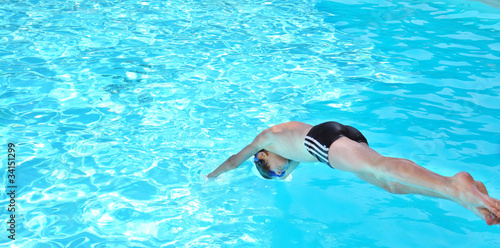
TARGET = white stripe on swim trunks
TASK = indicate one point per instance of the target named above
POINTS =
(320, 156)
(319, 145)
(315, 145)
(318, 152)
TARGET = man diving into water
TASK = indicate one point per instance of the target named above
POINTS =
(278, 150)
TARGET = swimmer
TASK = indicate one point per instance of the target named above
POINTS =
(278, 150)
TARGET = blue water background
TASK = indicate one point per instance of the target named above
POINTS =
(119, 109)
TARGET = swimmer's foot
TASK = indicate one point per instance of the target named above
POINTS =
(473, 195)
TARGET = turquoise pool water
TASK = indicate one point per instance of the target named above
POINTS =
(118, 110)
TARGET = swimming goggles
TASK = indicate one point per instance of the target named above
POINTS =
(256, 159)
(272, 173)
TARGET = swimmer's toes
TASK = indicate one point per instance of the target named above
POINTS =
(495, 206)
(494, 221)
(489, 217)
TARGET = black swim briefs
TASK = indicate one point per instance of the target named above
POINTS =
(321, 136)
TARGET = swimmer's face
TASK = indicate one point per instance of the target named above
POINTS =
(276, 164)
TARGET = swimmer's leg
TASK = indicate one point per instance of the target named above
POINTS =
(395, 187)
(402, 176)
(398, 188)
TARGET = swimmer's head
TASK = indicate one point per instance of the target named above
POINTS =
(270, 165)
(261, 165)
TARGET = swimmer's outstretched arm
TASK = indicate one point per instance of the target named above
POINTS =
(260, 142)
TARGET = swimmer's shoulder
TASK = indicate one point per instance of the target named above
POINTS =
(288, 127)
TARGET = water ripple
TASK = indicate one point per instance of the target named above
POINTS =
(119, 108)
